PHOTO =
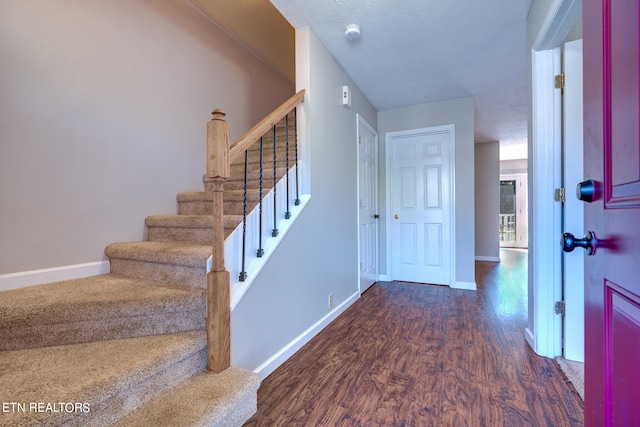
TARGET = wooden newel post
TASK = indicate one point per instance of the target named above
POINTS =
(218, 281)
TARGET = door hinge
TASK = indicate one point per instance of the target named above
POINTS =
(560, 308)
(559, 195)
(559, 81)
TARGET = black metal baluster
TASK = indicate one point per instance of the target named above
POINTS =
(287, 214)
(260, 249)
(243, 273)
(274, 233)
(297, 202)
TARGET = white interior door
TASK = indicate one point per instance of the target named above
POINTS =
(421, 204)
(368, 204)
(573, 212)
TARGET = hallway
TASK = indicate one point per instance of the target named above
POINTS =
(407, 354)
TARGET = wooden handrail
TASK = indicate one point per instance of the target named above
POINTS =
(219, 157)
(246, 141)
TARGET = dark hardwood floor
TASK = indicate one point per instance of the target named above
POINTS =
(408, 354)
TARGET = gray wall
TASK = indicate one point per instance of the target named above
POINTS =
(487, 187)
(458, 112)
(104, 108)
(319, 254)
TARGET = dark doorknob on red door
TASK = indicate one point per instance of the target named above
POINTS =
(569, 242)
(588, 191)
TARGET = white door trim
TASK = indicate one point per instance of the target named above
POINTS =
(361, 121)
(544, 331)
(545, 272)
(573, 213)
(388, 179)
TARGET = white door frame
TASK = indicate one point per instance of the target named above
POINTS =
(361, 121)
(388, 179)
(544, 330)
(573, 212)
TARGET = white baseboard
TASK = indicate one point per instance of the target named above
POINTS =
(384, 278)
(288, 350)
(528, 336)
(488, 258)
(467, 286)
(56, 274)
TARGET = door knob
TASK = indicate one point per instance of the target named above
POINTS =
(589, 242)
(396, 216)
(376, 216)
(587, 191)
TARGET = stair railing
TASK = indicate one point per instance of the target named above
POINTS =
(218, 281)
(220, 155)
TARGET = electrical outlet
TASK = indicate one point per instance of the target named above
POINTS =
(330, 300)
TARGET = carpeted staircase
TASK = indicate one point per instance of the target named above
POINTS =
(129, 348)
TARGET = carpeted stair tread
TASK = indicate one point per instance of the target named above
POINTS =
(112, 377)
(184, 221)
(200, 202)
(195, 196)
(96, 308)
(237, 170)
(253, 176)
(189, 229)
(161, 252)
(207, 196)
(267, 160)
(191, 221)
(180, 264)
(226, 399)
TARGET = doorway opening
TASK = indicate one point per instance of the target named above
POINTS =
(512, 224)
(507, 212)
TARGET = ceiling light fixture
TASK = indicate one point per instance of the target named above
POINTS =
(352, 32)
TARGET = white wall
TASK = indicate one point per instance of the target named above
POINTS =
(318, 256)
(458, 112)
(103, 109)
(487, 187)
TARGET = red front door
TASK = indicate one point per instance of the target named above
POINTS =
(612, 158)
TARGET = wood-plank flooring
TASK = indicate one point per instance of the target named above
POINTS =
(408, 354)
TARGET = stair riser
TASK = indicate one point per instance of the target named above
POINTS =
(109, 398)
(232, 207)
(52, 334)
(197, 402)
(191, 236)
(167, 273)
(238, 196)
(195, 208)
(267, 185)
(237, 170)
(253, 180)
(267, 155)
(122, 404)
(249, 404)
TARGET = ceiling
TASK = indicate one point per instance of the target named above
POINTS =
(420, 51)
